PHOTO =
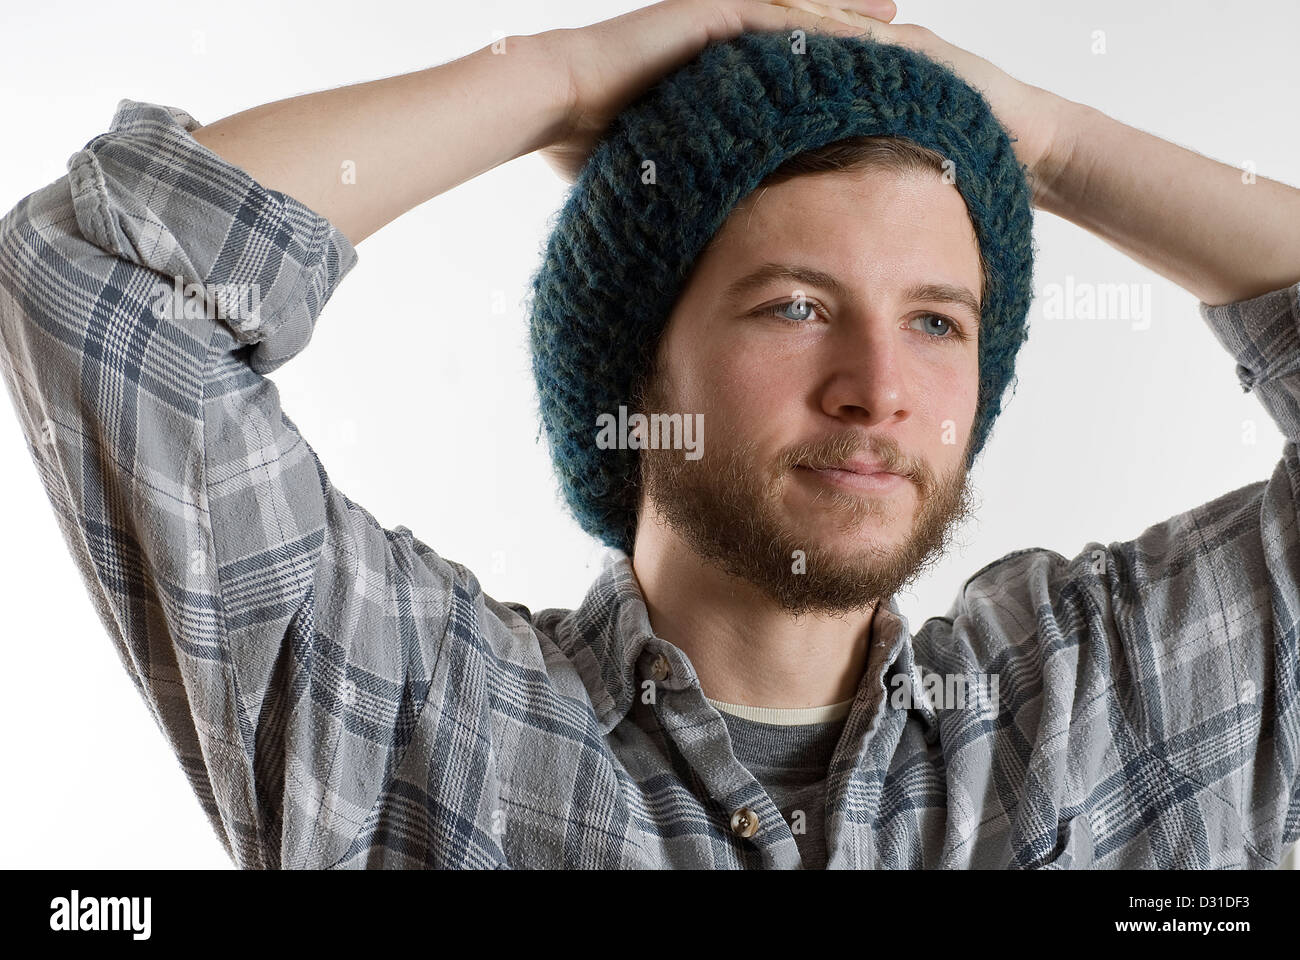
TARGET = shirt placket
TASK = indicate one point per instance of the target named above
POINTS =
(751, 816)
(867, 744)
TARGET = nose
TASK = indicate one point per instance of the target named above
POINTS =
(866, 381)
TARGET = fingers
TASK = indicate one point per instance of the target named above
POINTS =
(805, 15)
(824, 17)
(882, 10)
(841, 11)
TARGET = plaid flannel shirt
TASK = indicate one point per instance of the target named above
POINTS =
(340, 695)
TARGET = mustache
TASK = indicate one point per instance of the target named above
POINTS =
(839, 447)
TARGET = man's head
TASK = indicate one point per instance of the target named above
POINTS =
(645, 220)
(834, 316)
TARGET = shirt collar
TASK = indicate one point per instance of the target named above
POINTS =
(609, 640)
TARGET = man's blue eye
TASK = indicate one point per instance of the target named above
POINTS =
(952, 332)
(805, 310)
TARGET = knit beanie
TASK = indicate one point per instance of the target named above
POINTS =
(621, 249)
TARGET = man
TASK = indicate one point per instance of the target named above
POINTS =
(342, 695)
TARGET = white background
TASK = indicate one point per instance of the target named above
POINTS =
(419, 398)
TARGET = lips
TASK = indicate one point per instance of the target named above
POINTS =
(860, 465)
(860, 476)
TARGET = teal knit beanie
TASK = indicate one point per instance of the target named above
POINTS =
(621, 249)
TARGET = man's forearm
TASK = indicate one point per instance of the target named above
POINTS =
(1189, 218)
(400, 140)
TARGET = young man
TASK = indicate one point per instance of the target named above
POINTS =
(738, 689)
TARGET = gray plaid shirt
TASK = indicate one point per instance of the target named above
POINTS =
(340, 695)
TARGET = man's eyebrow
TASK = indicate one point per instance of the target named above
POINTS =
(939, 292)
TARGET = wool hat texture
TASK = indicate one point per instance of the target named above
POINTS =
(622, 245)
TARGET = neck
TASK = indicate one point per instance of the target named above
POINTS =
(744, 647)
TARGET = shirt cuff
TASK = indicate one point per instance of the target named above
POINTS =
(148, 192)
(1262, 334)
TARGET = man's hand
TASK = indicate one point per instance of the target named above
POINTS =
(1031, 115)
(611, 62)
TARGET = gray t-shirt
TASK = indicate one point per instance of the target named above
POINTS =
(790, 761)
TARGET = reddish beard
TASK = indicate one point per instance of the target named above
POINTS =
(728, 507)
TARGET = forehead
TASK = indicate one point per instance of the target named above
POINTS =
(874, 227)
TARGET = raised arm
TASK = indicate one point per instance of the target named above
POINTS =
(142, 298)
(1204, 606)
(1222, 232)
(364, 154)
(286, 644)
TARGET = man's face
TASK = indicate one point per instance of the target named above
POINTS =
(798, 372)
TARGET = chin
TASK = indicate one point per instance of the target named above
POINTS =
(835, 519)
(872, 534)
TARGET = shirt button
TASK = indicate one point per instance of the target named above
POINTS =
(744, 822)
(660, 668)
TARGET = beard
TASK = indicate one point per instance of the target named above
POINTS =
(728, 508)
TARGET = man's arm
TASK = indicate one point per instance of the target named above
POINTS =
(1189, 218)
(1201, 610)
(364, 154)
(291, 649)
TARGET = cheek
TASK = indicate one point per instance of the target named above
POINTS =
(729, 379)
(753, 389)
(945, 400)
